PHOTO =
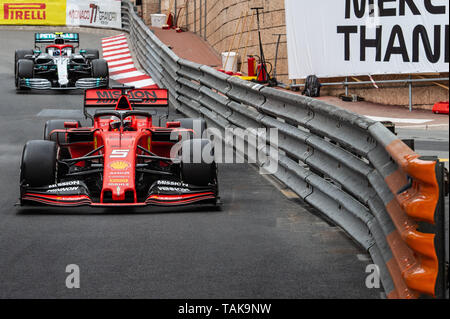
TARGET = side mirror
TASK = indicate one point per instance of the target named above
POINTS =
(70, 124)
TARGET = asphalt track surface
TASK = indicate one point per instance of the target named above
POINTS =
(261, 245)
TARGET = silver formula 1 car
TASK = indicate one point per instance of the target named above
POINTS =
(55, 63)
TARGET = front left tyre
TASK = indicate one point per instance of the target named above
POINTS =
(39, 163)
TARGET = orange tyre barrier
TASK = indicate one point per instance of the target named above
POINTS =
(416, 194)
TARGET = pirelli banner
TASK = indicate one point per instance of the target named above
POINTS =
(94, 13)
(331, 38)
(33, 12)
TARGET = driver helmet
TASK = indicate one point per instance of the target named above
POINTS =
(115, 123)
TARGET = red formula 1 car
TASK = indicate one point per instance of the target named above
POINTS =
(123, 159)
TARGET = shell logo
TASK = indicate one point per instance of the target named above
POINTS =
(119, 165)
(118, 180)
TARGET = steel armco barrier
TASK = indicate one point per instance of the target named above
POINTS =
(350, 168)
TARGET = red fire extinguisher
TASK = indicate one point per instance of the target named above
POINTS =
(251, 61)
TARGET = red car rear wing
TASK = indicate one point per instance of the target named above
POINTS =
(137, 99)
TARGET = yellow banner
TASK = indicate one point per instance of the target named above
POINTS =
(33, 12)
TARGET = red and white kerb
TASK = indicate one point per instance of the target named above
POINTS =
(121, 66)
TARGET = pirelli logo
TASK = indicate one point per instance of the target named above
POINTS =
(24, 11)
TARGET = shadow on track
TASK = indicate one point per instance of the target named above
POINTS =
(128, 211)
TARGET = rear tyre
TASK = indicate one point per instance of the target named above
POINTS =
(25, 69)
(100, 69)
(197, 163)
(197, 125)
(56, 125)
(93, 54)
(38, 167)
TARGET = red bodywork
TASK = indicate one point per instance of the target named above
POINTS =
(119, 149)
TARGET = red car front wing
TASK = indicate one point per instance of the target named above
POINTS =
(76, 194)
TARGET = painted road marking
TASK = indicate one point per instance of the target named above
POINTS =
(141, 84)
(122, 72)
(128, 66)
(289, 193)
(363, 257)
(115, 52)
(113, 38)
(126, 75)
(115, 47)
(110, 45)
(121, 62)
(426, 126)
(399, 120)
(117, 57)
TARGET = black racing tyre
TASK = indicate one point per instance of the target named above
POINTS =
(19, 55)
(197, 162)
(94, 53)
(100, 68)
(198, 125)
(38, 167)
(25, 69)
(56, 125)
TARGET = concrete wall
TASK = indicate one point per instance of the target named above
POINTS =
(222, 18)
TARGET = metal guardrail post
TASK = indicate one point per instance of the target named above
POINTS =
(410, 92)
(195, 16)
(206, 21)
(187, 14)
(200, 20)
(346, 86)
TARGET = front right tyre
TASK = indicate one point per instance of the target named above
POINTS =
(25, 69)
(100, 69)
(19, 55)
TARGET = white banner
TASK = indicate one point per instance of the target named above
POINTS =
(332, 38)
(95, 13)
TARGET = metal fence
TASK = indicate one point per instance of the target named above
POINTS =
(350, 168)
(408, 81)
